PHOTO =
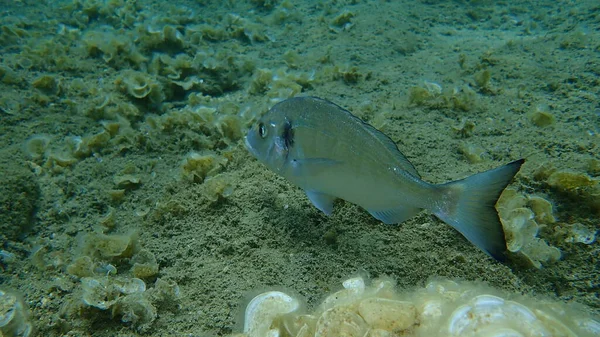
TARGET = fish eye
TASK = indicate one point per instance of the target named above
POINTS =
(262, 130)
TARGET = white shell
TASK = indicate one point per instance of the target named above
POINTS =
(495, 315)
(13, 316)
(384, 288)
(431, 309)
(385, 314)
(340, 322)
(8, 308)
(273, 333)
(300, 325)
(499, 332)
(132, 286)
(380, 333)
(354, 283)
(354, 288)
(442, 308)
(304, 331)
(264, 309)
(554, 325)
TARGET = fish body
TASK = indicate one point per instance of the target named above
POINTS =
(330, 154)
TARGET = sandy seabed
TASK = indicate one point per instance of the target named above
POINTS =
(102, 102)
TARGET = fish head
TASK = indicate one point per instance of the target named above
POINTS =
(270, 140)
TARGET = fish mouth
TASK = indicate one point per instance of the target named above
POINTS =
(249, 147)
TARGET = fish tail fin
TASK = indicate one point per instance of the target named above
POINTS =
(468, 205)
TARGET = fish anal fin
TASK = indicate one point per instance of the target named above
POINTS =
(396, 215)
(322, 201)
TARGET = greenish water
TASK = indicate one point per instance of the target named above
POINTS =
(122, 152)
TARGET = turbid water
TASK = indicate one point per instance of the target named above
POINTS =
(129, 205)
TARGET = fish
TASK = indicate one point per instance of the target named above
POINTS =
(332, 154)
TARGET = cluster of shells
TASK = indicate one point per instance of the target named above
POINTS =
(442, 308)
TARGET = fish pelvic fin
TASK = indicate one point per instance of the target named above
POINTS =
(468, 205)
(322, 201)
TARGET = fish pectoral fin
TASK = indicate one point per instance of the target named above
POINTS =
(322, 201)
(312, 166)
(396, 215)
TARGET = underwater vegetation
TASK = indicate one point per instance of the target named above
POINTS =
(113, 271)
(129, 206)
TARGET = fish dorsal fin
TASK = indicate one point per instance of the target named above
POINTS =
(389, 144)
(386, 141)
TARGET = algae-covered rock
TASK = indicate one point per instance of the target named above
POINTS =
(230, 127)
(141, 86)
(292, 59)
(522, 218)
(482, 79)
(84, 147)
(107, 44)
(419, 95)
(431, 95)
(47, 84)
(465, 129)
(541, 116)
(127, 181)
(260, 82)
(36, 146)
(137, 310)
(104, 292)
(566, 181)
(144, 264)
(123, 296)
(577, 186)
(83, 266)
(473, 153)
(39, 149)
(197, 167)
(593, 167)
(167, 37)
(218, 187)
(109, 246)
(245, 29)
(128, 299)
(282, 84)
(348, 74)
(117, 195)
(342, 21)
(19, 196)
(579, 233)
(165, 291)
(544, 171)
(542, 209)
(286, 84)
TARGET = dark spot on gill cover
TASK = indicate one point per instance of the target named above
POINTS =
(288, 134)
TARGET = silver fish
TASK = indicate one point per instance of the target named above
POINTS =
(330, 153)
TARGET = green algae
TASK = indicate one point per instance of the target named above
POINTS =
(104, 84)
